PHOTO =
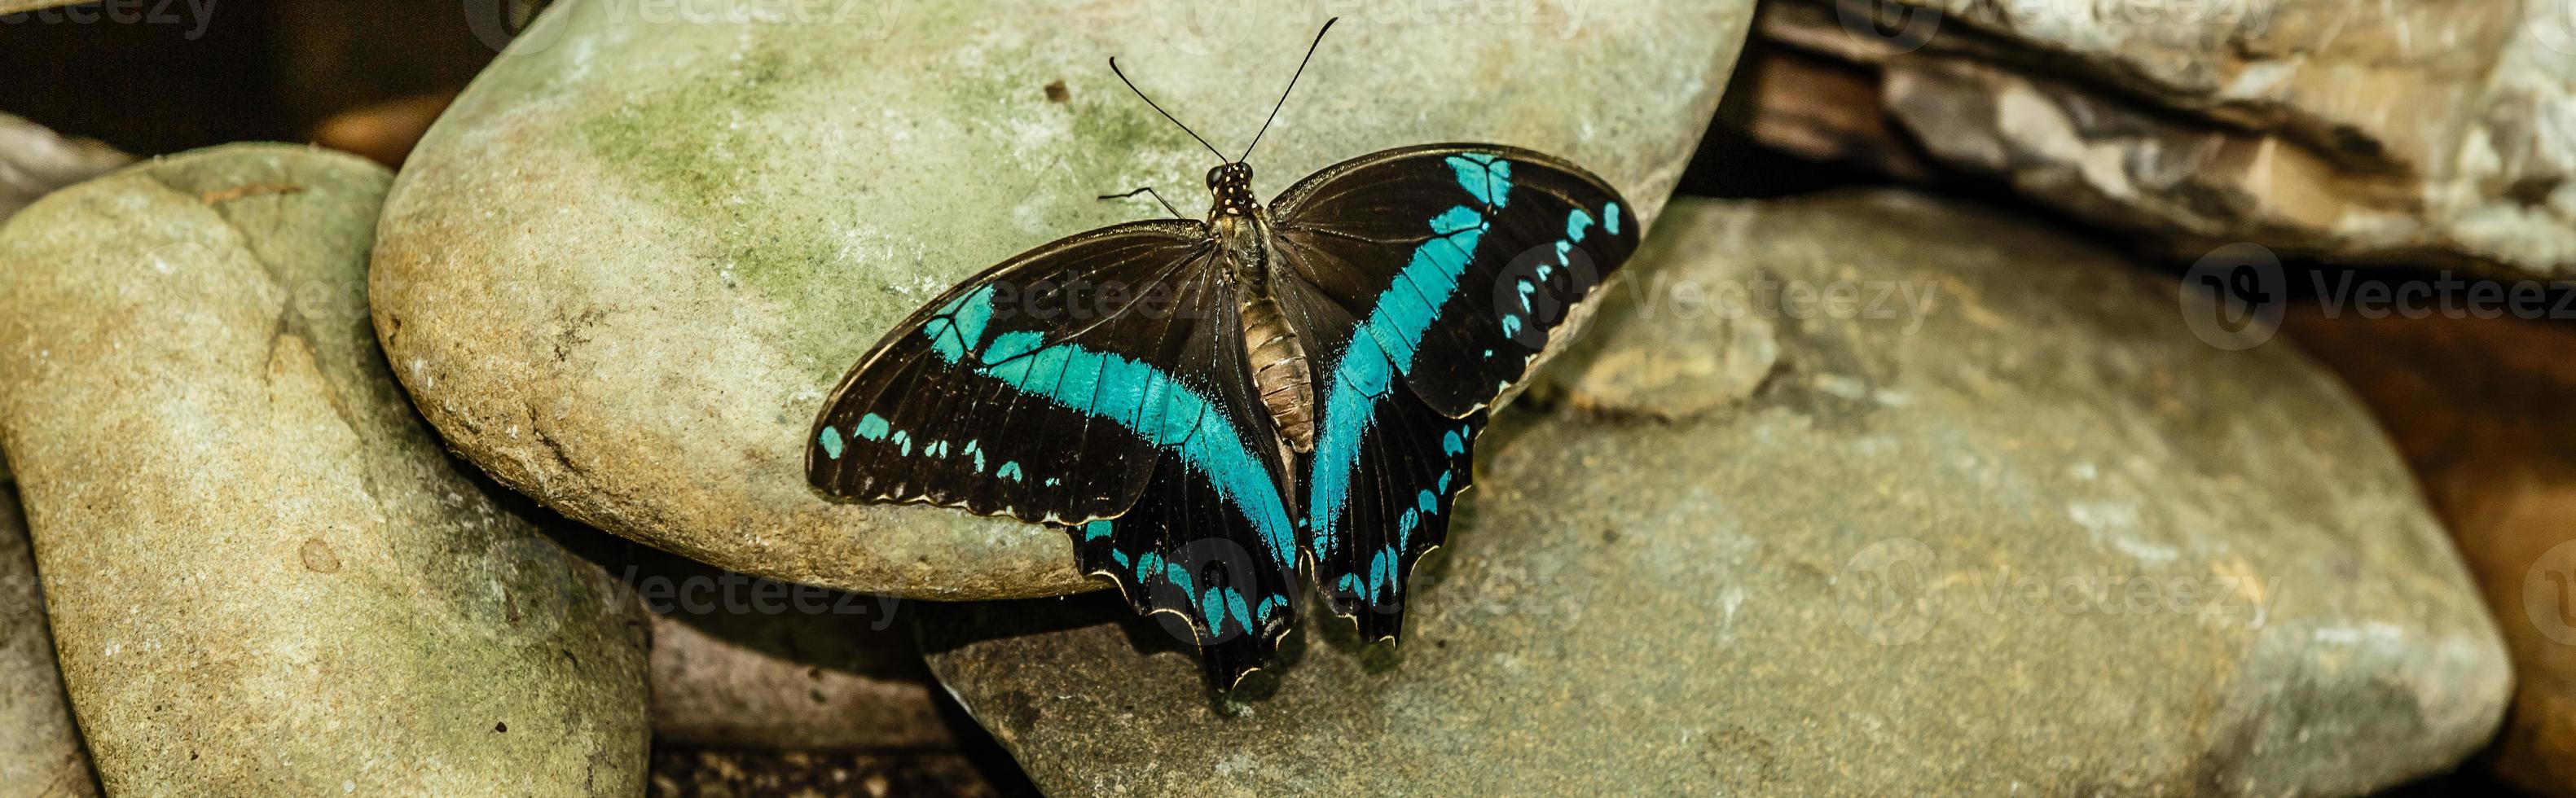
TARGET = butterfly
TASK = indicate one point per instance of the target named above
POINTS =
(1212, 407)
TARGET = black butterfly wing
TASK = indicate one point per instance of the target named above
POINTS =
(1096, 383)
(1425, 281)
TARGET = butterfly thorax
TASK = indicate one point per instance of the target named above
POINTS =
(1277, 358)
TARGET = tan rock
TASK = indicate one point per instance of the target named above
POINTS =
(264, 576)
(2369, 133)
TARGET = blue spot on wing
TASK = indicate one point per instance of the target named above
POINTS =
(873, 427)
(1485, 176)
(958, 328)
(831, 441)
(1610, 218)
(1009, 471)
(1011, 345)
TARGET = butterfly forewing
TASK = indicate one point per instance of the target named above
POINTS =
(930, 414)
(1529, 235)
(1425, 281)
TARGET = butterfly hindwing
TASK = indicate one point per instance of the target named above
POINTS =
(1426, 280)
(1096, 383)
(1181, 555)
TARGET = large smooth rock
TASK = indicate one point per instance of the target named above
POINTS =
(2014, 532)
(264, 575)
(2479, 406)
(2394, 133)
(40, 749)
(621, 273)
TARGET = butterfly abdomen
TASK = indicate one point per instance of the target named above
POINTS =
(1280, 372)
(1277, 358)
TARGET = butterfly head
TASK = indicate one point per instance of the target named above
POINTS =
(1231, 185)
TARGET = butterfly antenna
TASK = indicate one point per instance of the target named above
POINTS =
(1292, 86)
(1158, 108)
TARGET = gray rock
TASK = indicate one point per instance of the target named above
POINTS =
(264, 576)
(1963, 508)
(40, 749)
(621, 273)
(2399, 133)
